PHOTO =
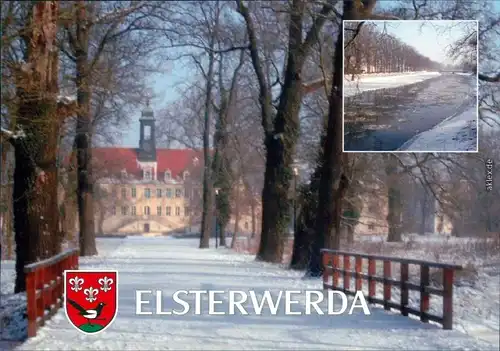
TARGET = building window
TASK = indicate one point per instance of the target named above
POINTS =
(178, 192)
(124, 193)
(147, 132)
(147, 193)
(158, 210)
(158, 192)
(186, 211)
(147, 174)
(177, 211)
(113, 192)
(113, 211)
(134, 192)
(124, 210)
(168, 193)
(246, 225)
(147, 211)
(168, 211)
(168, 175)
(371, 226)
(134, 210)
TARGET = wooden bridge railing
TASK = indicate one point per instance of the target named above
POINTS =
(45, 287)
(332, 267)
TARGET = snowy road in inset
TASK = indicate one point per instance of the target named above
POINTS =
(384, 119)
(169, 264)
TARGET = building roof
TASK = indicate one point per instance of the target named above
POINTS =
(111, 161)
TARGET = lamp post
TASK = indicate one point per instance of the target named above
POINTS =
(216, 218)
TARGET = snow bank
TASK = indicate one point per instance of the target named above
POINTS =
(456, 133)
(12, 307)
(367, 83)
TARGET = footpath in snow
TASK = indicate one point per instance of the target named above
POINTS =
(170, 264)
(375, 82)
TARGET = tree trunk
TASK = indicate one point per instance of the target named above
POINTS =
(236, 217)
(304, 232)
(332, 181)
(6, 174)
(83, 138)
(394, 199)
(254, 215)
(100, 223)
(207, 215)
(280, 150)
(282, 131)
(35, 205)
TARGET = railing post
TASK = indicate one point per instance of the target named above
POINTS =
(387, 284)
(43, 293)
(31, 304)
(372, 271)
(335, 275)
(424, 295)
(347, 276)
(448, 298)
(325, 260)
(404, 289)
(359, 268)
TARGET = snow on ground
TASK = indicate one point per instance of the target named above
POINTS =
(369, 82)
(456, 133)
(175, 264)
(12, 307)
(476, 303)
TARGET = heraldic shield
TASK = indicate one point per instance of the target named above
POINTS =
(91, 299)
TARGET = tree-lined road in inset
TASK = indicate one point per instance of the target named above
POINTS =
(384, 119)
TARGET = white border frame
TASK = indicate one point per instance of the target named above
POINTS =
(117, 297)
(414, 151)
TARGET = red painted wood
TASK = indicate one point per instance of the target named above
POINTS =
(326, 262)
(359, 269)
(424, 295)
(347, 277)
(387, 285)
(372, 271)
(448, 299)
(31, 284)
(336, 275)
(43, 277)
(404, 288)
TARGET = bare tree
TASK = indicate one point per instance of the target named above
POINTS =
(38, 119)
(81, 22)
(281, 128)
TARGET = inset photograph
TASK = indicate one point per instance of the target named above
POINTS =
(410, 86)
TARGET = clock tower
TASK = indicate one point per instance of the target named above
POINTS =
(147, 142)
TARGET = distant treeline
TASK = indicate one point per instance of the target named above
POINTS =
(370, 50)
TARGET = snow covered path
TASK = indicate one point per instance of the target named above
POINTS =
(170, 264)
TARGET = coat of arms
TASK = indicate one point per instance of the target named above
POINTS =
(91, 299)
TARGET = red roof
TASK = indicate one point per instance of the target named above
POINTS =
(110, 161)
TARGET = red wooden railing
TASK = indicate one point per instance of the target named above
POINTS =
(45, 287)
(331, 264)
